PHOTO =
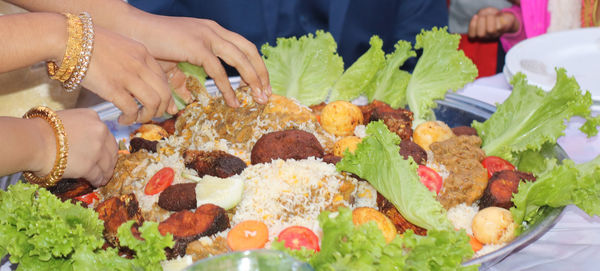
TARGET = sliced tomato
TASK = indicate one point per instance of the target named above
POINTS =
(160, 181)
(296, 237)
(494, 164)
(430, 178)
(88, 198)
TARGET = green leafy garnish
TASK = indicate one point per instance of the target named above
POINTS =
(356, 78)
(304, 68)
(442, 67)
(390, 82)
(40, 232)
(530, 117)
(377, 160)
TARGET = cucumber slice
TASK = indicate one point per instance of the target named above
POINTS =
(226, 193)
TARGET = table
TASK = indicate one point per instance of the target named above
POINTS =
(573, 243)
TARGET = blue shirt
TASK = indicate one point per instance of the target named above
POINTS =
(351, 22)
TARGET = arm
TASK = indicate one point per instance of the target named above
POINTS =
(29, 145)
(198, 41)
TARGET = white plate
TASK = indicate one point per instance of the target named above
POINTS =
(578, 51)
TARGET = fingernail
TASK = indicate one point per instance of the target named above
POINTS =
(269, 90)
(265, 97)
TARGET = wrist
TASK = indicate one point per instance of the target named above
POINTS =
(57, 36)
(43, 147)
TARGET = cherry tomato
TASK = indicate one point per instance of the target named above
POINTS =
(160, 181)
(88, 198)
(296, 237)
(430, 178)
(494, 164)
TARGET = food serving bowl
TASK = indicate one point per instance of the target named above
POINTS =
(454, 110)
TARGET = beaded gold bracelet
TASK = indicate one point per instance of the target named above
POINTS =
(62, 148)
(83, 61)
(69, 61)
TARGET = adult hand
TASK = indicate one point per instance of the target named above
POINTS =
(122, 71)
(204, 43)
(491, 23)
(92, 148)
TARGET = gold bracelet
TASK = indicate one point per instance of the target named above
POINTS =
(74, 48)
(85, 55)
(62, 149)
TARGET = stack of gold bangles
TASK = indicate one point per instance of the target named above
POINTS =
(62, 148)
(77, 56)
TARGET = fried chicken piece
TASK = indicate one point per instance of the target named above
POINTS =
(501, 187)
(288, 144)
(66, 189)
(138, 143)
(409, 148)
(187, 226)
(388, 209)
(398, 121)
(116, 211)
(178, 197)
(464, 130)
(214, 163)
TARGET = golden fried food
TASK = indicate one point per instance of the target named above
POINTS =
(347, 143)
(430, 132)
(363, 215)
(340, 118)
(494, 225)
(289, 144)
(151, 132)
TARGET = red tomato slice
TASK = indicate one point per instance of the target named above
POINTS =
(494, 164)
(430, 178)
(160, 181)
(296, 237)
(88, 198)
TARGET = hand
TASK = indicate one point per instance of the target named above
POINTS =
(491, 23)
(204, 42)
(122, 71)
(92, 148)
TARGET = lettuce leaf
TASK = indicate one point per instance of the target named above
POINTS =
(345, 246)
(304, 68)
(193, 70)
(563, 185)
(40, 232)
(590, 127)
(390, 83)
(530, 117)
(377, 160)
(150, 251)
(441, 68)
(356, 78)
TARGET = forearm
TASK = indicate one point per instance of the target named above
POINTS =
(24, 143)
(30, 38)
(115, 15)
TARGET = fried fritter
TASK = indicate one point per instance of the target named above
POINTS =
(116, 211)
(388, 209)
(398, 121)
(214, 163)
(409, 148)
(289, 144)
(178, 197)
(66, 189)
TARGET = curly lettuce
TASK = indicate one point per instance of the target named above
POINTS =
(304, 68)
(441, 68)
(531, 118)
(390, 82)
(357, 77)
(40, 232)
(377, 160)
(345, 246)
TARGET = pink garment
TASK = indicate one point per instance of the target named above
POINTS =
(534, 20)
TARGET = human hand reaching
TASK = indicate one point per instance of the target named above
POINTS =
(491, 23)
(92, 148)
(204, 43)
(122, 71)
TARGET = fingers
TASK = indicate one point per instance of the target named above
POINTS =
(215, 70)
(158, 80)
(473, 27)
(109, 158)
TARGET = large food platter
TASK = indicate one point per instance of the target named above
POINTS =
(455, 110)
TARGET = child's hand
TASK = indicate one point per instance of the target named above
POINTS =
(491, 23)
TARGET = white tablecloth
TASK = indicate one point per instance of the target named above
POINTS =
(574, 242)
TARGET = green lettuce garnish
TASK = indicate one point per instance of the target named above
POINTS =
(377, 160)
(356, 78)
(390, 82)
(562, 185)
(304, 68)
(40, 232)
(193, 70)
(530, 117)
(345, 246)
(442, 67)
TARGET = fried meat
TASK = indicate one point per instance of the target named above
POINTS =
(398, 121)
(388, 209)
(138, 143)
(67, 189)
(116, 211)
(501, 187)
(178, 197)
(409, 148)
(214, 163)
(288, 144)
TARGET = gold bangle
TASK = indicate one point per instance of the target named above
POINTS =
(62, 149)
(85, 55)
(74, 48)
